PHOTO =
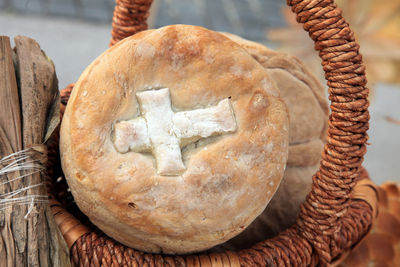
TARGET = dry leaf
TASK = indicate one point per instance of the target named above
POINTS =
(392, 120)
(376, 25)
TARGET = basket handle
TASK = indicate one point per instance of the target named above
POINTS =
(322, 213)
(331, 219)
(130, 17)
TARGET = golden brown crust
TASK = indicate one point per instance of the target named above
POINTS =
(303, 94)
(229, 179)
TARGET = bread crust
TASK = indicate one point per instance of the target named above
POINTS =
(307, 106)
(229, 179)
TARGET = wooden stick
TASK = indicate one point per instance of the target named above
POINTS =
(10, 142)
(9, 96)
(31, 237)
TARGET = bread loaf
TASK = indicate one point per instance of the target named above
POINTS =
(174, 140)
(308, 110)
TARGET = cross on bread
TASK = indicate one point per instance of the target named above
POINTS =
(163, 132)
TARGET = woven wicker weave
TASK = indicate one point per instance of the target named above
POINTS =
(342, 204)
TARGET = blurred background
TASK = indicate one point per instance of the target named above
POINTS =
(74, 32)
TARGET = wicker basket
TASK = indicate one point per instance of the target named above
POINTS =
(342, 204)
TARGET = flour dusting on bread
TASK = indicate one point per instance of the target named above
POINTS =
(174, 155)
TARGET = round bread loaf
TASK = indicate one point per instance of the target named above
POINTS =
(308, 110)
(174, 140)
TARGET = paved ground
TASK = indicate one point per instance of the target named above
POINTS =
(97, 10)
(383, 157)
(73, 43)
(248, 18)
